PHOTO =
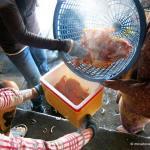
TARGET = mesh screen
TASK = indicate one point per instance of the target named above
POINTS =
(126, 16)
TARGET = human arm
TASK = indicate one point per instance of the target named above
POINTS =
(10, 15)
(131, 87)
(10, 97)
(72, 141)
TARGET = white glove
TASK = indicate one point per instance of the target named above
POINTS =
(77, 50)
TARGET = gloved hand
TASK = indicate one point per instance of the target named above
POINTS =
(77, 50)
(91, 124)
(39, 89)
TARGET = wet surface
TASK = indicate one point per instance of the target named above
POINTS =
(108, 116)
(110, 140)
(46, 127)
(43, 126)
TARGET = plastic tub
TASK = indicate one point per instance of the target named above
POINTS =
(74, 113)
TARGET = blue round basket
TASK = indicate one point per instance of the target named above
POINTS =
(71, 17)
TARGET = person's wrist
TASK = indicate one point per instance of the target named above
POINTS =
(91, 124)
(39, 89)
(34, 93)
(71, 46)
(90, 130)
(65, 45)
(93, 128)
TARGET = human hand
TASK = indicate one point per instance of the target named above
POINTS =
(89, 123)
(134, 88)
(77, 50)
(39, 89)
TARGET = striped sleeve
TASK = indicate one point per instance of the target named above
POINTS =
(72, 141)
(9, 97)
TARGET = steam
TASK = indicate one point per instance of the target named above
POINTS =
(102, 44)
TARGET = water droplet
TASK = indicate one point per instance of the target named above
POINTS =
(106, 101)
(52, 128)
(102, 111)
(33, 121)
(44, 130)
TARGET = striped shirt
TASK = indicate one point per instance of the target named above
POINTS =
(72, 141)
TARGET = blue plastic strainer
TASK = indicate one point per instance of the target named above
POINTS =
(126, 16)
